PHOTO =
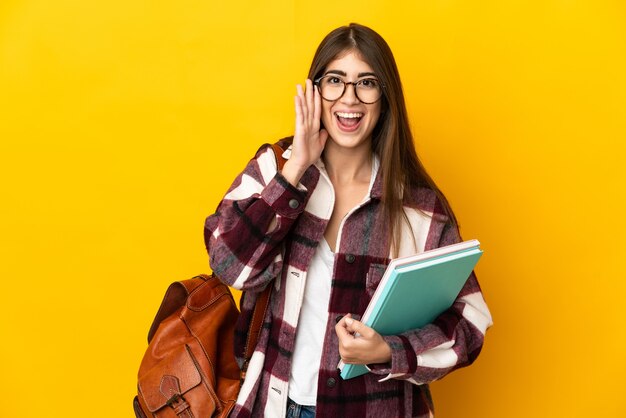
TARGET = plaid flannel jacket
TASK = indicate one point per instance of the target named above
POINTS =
(266, 229)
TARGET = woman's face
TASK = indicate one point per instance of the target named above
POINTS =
(349, 121)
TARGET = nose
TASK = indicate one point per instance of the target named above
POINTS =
(349, 95)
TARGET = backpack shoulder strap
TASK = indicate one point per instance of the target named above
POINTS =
(279, 148)
(280, 160)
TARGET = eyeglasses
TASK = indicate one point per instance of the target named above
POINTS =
(332, 87)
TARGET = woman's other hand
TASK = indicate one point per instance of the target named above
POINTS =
(360, 344)
(308, 140)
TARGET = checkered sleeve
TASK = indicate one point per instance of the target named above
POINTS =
(452, 341)
(244, 236)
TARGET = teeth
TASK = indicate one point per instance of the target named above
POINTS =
(349, 115)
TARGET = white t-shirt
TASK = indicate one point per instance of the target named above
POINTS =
(307, 352)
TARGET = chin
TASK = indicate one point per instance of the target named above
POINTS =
(349, 141)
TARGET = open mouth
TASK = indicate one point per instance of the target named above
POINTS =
(348, 121)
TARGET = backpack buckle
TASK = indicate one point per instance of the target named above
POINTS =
(177, 403)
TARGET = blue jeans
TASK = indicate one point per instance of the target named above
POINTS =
(295, 410)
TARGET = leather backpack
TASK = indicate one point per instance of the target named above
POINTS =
(189, 369)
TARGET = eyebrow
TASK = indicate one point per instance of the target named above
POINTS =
(343, 73)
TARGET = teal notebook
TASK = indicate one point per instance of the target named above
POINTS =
(415, 290)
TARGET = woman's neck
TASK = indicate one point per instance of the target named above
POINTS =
(348, 165)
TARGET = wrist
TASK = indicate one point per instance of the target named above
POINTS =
(293, 172)
(385, 353)
(382, 353)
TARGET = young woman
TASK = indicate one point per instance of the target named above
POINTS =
(352, 195)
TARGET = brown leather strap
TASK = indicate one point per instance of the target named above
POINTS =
(180, 406)
(280, 160)
(260, 307)
(256, 324)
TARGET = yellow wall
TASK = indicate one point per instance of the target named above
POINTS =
(115, 122)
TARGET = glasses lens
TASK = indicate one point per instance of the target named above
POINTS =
(331, 87)
(368, 90)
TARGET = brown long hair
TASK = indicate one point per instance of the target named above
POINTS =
(392, 139)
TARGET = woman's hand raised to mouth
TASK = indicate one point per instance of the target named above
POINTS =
(309, 140)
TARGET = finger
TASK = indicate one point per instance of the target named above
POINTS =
(317, 105)
(357, 327)
(303, 105)
(343, 324)
(345, 343)
(342, 332)
(310, 97)
(351, 324)
(299, 118)
(342, 321)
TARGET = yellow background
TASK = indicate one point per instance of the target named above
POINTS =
(123, 122)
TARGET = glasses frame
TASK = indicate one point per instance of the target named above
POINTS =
(316, 82)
